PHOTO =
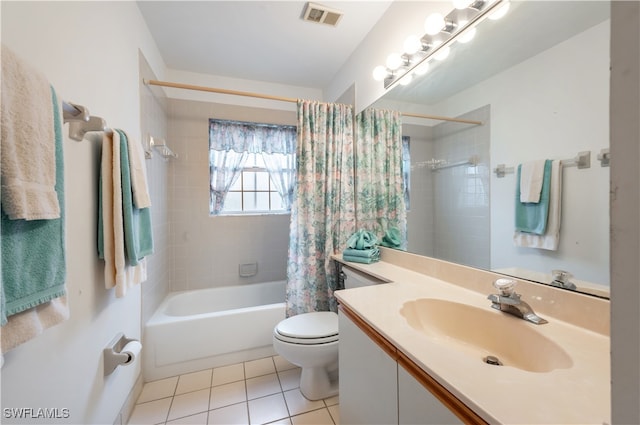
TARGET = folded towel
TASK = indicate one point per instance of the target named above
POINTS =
(551, 238)
(392, 238)
(33, 251)
(364, 253)
(27, 142)
(531, 178)
(363, 260)
(111, 221)
(138, 233)
(362, 239)
(530, 217)
(138, 170)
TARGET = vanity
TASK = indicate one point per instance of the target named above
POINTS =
(427, 348)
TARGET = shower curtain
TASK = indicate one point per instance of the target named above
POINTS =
(380, 201)
(322, 214)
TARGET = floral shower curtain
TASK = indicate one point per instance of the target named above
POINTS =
(380, 201)
(322, 215)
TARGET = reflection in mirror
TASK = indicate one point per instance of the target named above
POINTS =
(539, 82)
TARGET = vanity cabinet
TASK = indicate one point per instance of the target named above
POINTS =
(380, 385)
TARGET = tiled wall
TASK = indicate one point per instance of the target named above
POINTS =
(153, 119)
(207, 251)
(462, 214)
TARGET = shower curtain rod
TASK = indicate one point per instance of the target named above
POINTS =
(283, 99)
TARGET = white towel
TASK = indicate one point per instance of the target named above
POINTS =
(27, 140)
(116, 271)
(531, 177)
(139, 186)
(551, 239)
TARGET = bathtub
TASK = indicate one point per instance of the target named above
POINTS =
(206, 328)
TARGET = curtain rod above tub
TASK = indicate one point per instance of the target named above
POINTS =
(284, 99)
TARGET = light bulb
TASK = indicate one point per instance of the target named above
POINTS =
(442, 53)
(422, 68)
(406, 80)
(500, 11)
(462, 4)
(434, 24)
(467, 36)
(394, 60)
(412, 44)
(379, 73)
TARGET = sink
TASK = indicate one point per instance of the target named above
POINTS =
(485, 333)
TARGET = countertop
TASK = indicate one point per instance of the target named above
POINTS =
(579, 394)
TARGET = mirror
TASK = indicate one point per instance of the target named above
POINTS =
(538, 79)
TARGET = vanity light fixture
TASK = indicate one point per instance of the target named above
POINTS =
(440, 34)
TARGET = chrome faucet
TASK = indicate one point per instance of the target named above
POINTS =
(510, 302)
(561, 279)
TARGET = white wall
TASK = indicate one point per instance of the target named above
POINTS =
(89, 52)
(551, 106)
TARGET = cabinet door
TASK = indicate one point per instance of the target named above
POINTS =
(416, 405)
(368, 379)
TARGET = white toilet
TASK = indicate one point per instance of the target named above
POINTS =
(310, 341)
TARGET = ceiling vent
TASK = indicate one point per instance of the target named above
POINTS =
(320, 14)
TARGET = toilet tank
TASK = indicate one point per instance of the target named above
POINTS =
(354, 279)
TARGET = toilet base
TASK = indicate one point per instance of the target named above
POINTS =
(317, 383)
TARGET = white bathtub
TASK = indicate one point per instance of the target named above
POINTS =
(201, 329)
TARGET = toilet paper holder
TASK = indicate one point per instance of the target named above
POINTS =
(120, 351)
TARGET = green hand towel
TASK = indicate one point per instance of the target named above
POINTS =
(138, 233)
(392, 238)
(365, 253)
(33, 252)
(532, 217)
(362, 239)
(363, 260)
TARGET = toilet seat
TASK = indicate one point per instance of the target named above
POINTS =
(319, 327)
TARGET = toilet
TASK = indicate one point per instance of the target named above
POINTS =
(310, 341)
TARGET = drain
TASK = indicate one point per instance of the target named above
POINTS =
(492, 360)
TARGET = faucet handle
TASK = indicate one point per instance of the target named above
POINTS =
(506, 286)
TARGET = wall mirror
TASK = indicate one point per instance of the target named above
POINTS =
(538, 79)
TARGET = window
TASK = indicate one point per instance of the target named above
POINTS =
(252, 167)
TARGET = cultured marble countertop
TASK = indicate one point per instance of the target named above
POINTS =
(579, 394)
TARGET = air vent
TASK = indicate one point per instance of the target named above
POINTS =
(320, 14)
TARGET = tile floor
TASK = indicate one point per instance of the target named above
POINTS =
(264, 391)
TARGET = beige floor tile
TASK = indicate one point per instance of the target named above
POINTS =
(194, 381)
(227, 394)
(189, 404)
(285, 421)
(282, 363)
(334, 411)
(226, 374)
(259, 367)
(199, 419)
(262, 386)
(267, 409)
(331, 401)
(156, 390)
(317, 417)
(152, 412)
(234, 414)
(298, 404)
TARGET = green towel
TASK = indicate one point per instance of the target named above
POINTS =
(354, 259)
(138, 233)
(364, 253)
(362, 239)
(532, 217)
(33, 252)
(392, 238)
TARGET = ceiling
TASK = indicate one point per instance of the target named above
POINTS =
(259, 40)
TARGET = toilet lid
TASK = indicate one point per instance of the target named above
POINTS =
(309, 328)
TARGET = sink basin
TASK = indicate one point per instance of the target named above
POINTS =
(485, 332)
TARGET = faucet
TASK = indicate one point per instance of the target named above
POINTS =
(561, 279)
(510, 302)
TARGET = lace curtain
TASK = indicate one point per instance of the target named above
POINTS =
(323, 214)
(229, 144)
